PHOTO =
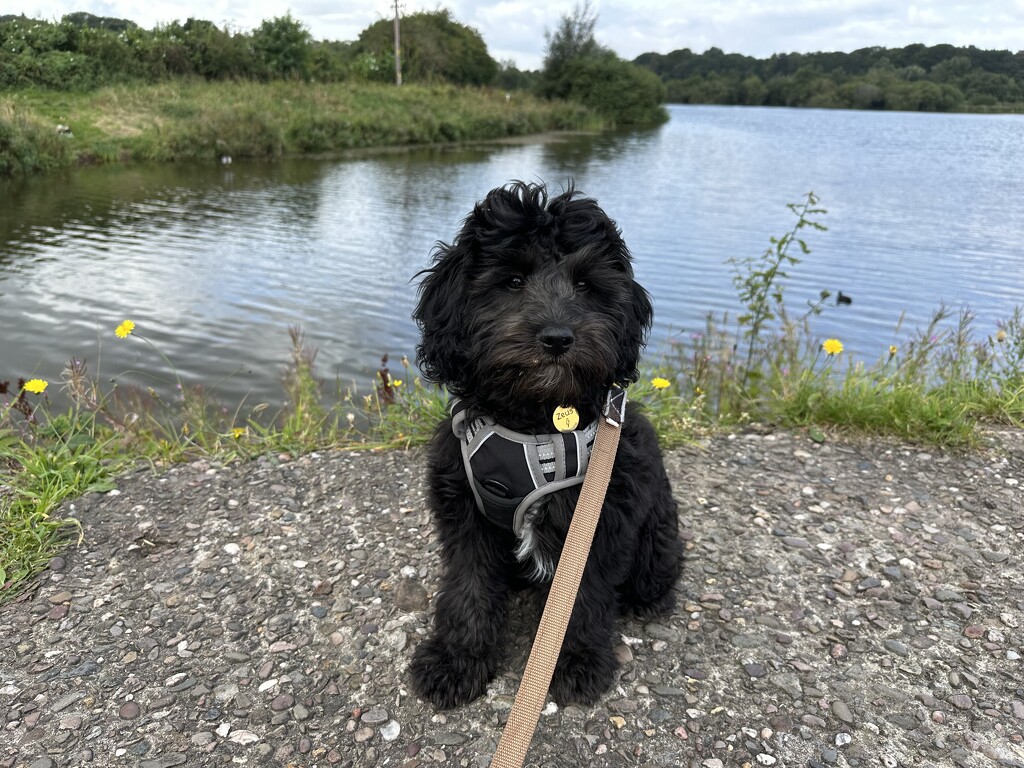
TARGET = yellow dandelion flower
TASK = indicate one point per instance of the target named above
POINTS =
(1000, 335)
(892, 350)
(659, 383)
(698, 391)
(396, 382)
(832, 346)
(237, 432)
(124, 329)
(36, 386)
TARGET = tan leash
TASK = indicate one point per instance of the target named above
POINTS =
(533, 690)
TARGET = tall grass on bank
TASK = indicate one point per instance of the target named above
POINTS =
(199, 120)
(763, 364)
(768, 365)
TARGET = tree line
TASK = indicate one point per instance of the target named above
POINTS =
(83, 51)
(939, 78)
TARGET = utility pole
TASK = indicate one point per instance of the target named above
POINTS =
(398, 49)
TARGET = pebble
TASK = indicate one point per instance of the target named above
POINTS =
(390, 731)
(168, 760)
(842, 711)
(961, 701)
(282, 702)
(129, 710)
(375, 716)
(895, 646)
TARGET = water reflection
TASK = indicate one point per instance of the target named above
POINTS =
(214, 264)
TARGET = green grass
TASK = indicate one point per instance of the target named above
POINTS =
(939, 386)
(199, 120)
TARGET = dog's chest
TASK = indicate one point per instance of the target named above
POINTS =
(543, 534)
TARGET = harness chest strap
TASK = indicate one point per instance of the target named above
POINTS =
(509, 471)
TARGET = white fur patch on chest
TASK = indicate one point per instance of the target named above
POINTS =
(530, 550)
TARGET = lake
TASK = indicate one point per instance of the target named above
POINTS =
(213, 263)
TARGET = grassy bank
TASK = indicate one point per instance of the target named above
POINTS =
(198, 120)
(765, 364)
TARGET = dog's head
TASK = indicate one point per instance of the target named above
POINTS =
(534, 302)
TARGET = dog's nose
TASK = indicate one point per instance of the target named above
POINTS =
(556, 339)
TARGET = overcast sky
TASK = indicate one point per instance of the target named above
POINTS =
(514, 29)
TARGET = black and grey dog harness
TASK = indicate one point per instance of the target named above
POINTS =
(509, 471)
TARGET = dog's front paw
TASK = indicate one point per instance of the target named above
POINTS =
(446, 676)
(582, 677)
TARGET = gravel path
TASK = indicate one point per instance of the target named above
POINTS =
(848, 604)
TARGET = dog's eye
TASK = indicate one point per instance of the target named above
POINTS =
(582, 286)
(515, 282)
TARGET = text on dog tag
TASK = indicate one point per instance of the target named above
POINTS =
(565, 418)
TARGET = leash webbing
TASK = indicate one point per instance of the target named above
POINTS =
(540, 667)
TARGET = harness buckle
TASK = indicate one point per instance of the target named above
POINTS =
(614, 411)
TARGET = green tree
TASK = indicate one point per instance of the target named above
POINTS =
(571, 41)
(578, 68)
(282, 44)
(434, 47)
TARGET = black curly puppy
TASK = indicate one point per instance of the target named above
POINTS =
(534, 309)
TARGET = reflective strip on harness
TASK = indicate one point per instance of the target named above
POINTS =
(509, 471)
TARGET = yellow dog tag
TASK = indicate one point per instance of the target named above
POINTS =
(565, 418)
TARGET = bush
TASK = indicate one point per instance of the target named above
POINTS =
(617, 90)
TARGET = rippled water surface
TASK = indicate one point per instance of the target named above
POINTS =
(214, 263)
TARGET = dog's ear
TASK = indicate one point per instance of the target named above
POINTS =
(441, 352)
(639, 315)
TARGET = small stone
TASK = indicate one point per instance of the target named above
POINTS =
(363, 734)
(895, 646)
(961, 701)
(202, 738)
(42, 762)
(375, 716)
(60, 597)
(299, 712)
(755, 670)
(842, 711)
(843, 738)
(410, 596)
(869, 583)
(70, 723)
(164, 761)
(129, 710)
(765, 759)
(390, 731)
(243, 737)
(282, 702)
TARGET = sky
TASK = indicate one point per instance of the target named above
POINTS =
(514, 29)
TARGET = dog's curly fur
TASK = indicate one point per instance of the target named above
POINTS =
(534, 306)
